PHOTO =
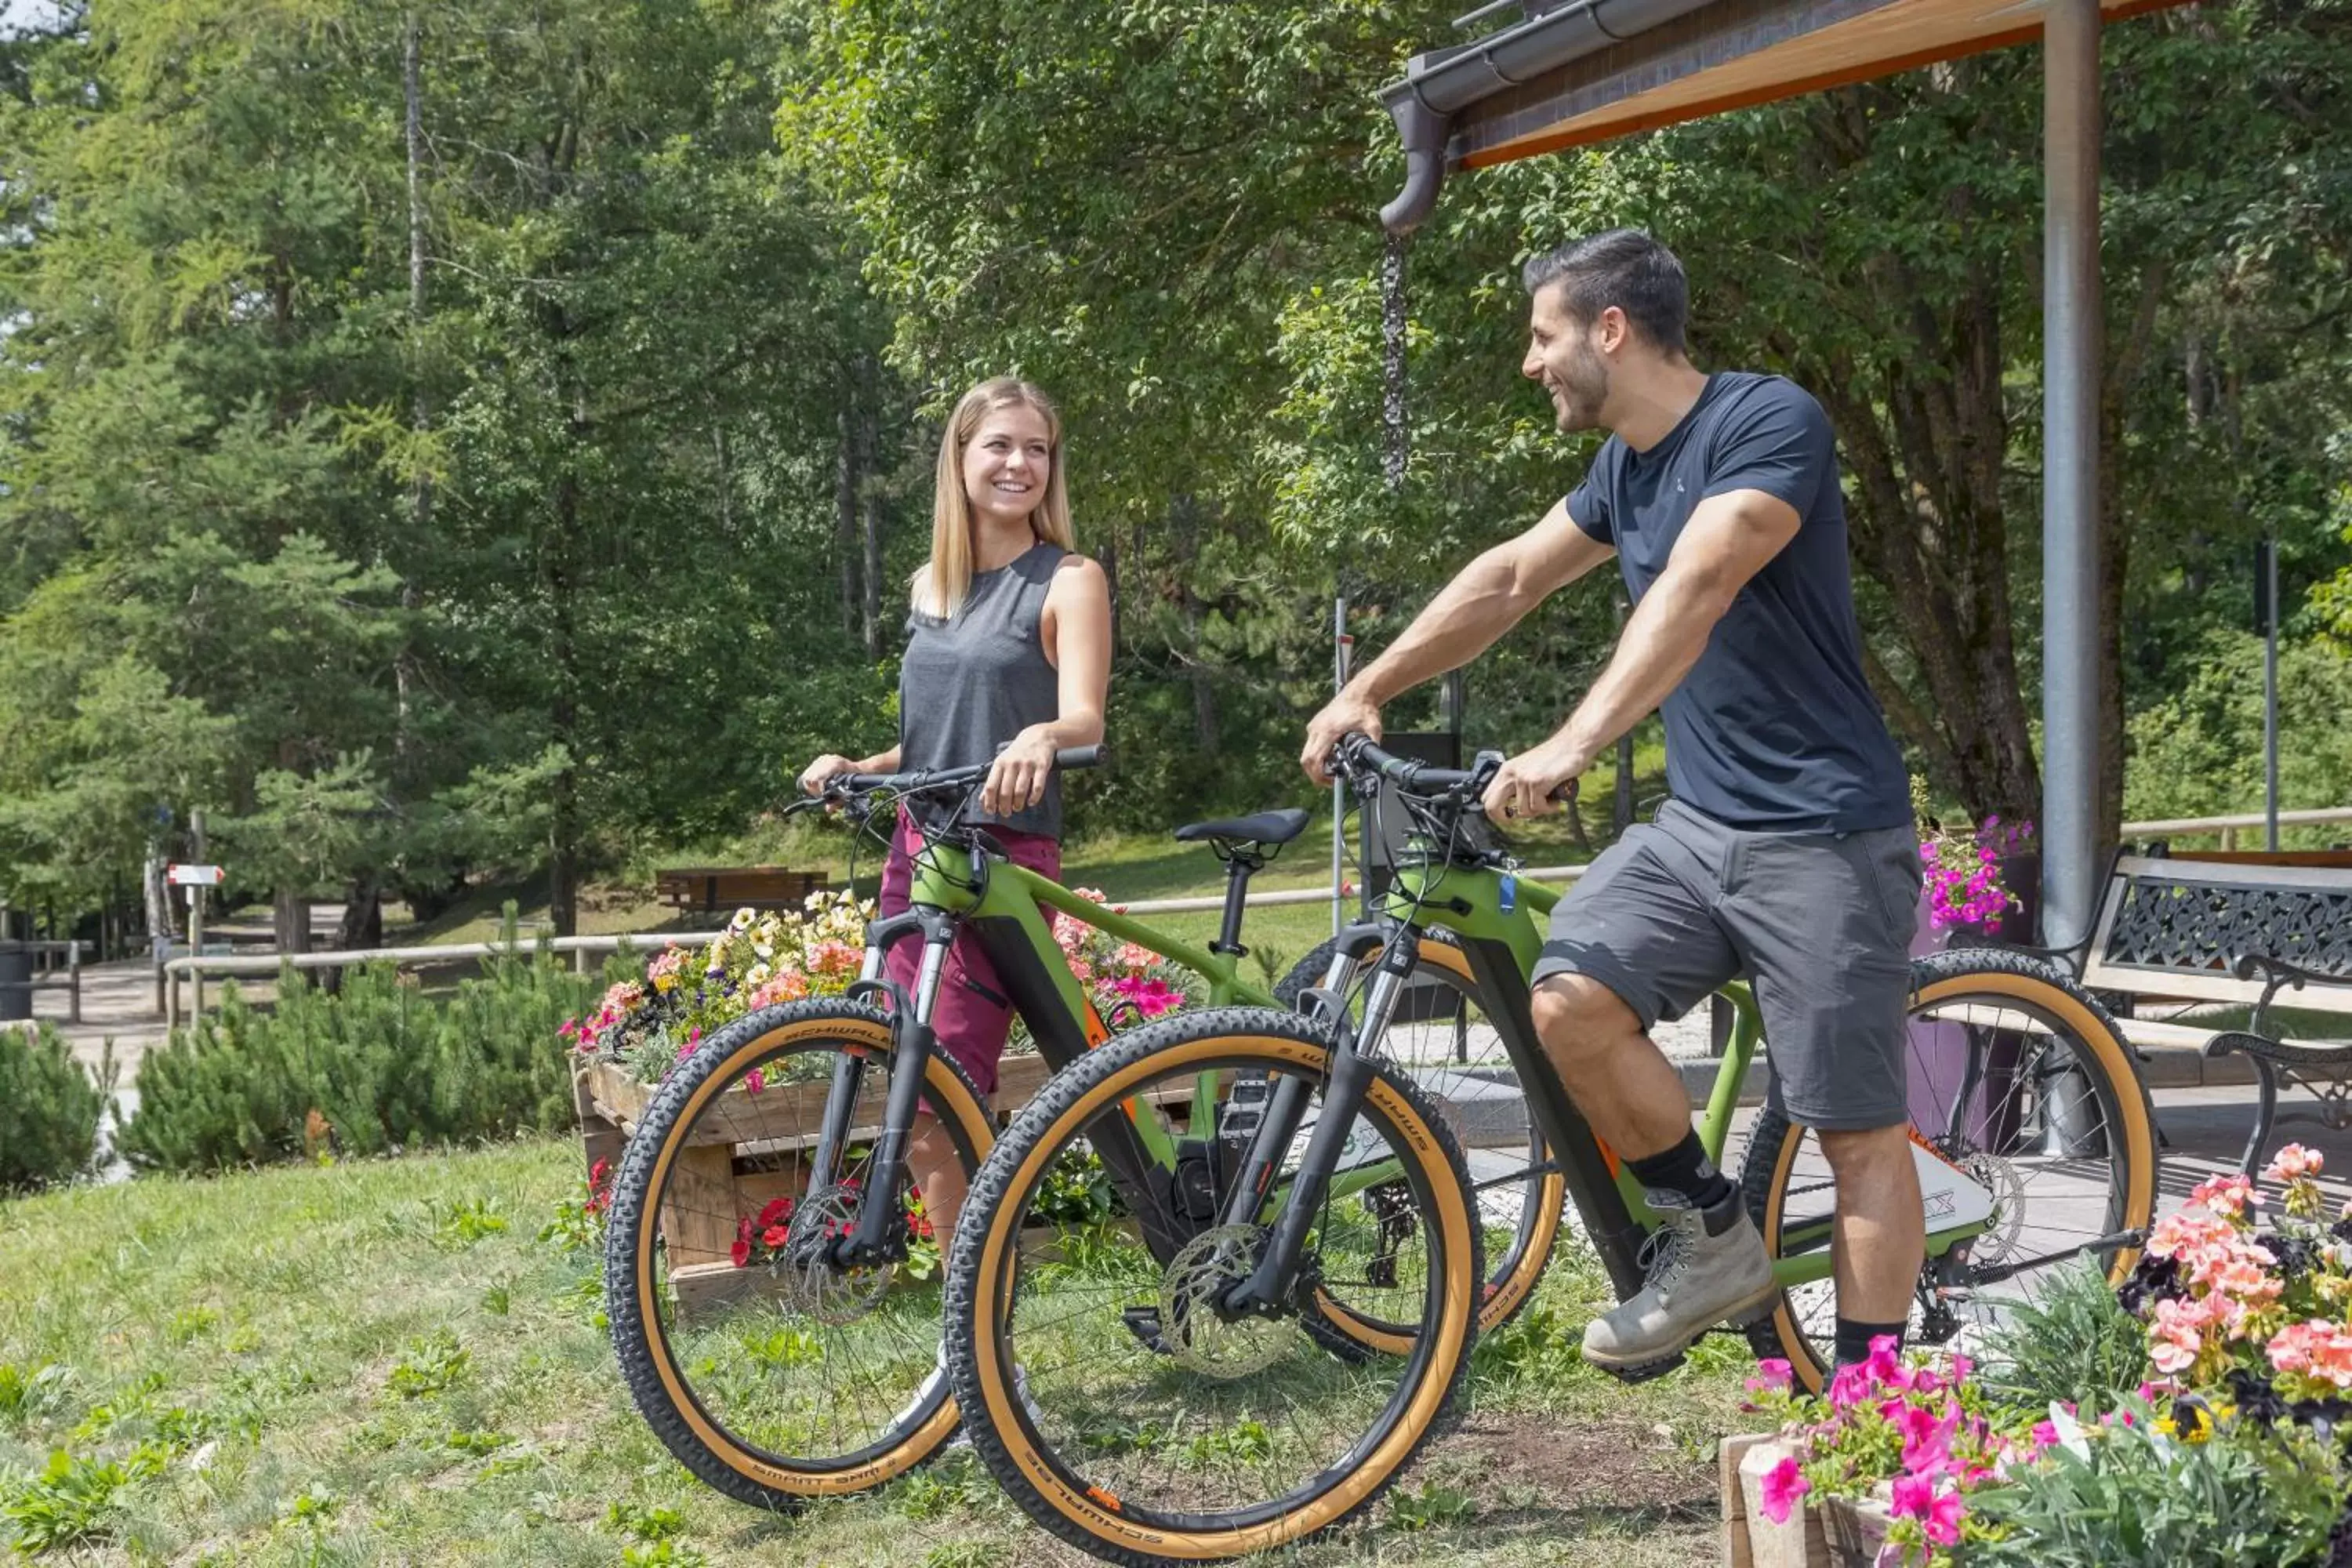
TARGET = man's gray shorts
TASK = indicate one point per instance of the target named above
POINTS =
(1820, 923)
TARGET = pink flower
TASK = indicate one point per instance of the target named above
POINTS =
(1913, 1496)
(1850, 1385)
(1944, 1520)
(2294, 1163)
(2317, 1349)
(2176, 1336)
(1782, 1487)
(755, 1081)
(1150, 997)
(1773, 1376)
(1927, 1438)
(2226, 1194)
(1885, 1366)
(2044, 1436)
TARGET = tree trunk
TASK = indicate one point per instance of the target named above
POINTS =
(563, 795)
(844, 518)
(870, 500)
(1187, 518)
(290, 919)
(420, 497)
(1110, 558)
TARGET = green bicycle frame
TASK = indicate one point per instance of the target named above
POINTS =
(1004, 905)
(1495, 918)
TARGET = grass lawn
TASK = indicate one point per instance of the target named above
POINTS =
(387, 1363)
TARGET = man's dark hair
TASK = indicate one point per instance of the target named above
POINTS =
(1621, 266)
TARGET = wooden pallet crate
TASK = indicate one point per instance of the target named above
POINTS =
(747, 1154)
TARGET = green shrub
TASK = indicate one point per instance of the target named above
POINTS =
(2135, 1497)
(384, 1066)
(2074, 1343)
(49, 1109)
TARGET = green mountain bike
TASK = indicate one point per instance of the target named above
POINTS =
(1246, 1422)
(777, 1325)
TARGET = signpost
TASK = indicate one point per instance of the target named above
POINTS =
(195, 878)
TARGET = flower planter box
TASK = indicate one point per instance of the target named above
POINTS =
(1834, 1532)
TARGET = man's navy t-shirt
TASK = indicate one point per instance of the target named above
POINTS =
(1775, 727)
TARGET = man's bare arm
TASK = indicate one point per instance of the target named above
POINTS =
(1727, 541)
(1485, 599)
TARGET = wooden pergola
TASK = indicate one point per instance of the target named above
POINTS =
(1566, 73)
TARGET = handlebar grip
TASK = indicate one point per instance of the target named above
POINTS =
(1075, 757)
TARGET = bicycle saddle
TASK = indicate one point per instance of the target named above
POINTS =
(1268, 827)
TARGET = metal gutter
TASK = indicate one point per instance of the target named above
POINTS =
(1441, 84)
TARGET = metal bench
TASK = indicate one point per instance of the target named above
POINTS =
(714, 888)
(2186, 929)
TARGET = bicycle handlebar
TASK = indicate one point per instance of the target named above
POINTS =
(938, 781)
(1360, 751)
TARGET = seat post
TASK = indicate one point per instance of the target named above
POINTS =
(1239, 864)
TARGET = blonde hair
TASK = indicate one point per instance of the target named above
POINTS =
(942, 583)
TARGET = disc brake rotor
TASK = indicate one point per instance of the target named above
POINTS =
(1211, 1264)
(812, 1283)
(2001, 1178)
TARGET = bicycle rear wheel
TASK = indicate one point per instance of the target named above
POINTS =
(772, 1375)
(1185, 1434)
(2021, 1081)
(1442, 1037)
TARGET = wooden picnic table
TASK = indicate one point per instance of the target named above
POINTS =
(714, 888)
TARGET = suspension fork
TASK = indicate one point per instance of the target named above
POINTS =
(1272, 1284)
(878, 1236)
(1279, 1112)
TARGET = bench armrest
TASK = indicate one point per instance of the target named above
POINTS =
(2277, 974)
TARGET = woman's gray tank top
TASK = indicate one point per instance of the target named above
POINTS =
(974, 681)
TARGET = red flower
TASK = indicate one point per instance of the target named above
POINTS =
(777, 1211)
(741, 1251)
(773, 1237)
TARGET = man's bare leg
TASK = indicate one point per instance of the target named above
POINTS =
(1881, 1237)
(1717, 1271)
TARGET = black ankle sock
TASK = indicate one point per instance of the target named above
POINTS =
(1853, 1338)
(1685, 1169)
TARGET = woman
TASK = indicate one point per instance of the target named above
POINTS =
(1008, 643)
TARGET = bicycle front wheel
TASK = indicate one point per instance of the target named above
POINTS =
(1442, 1037)
(2021, 1083)
(1104, 1385)
(773, 1373)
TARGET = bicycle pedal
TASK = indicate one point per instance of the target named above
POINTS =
(1644, 1373)
(1143, 1323)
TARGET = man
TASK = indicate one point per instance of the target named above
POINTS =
(1786, 851)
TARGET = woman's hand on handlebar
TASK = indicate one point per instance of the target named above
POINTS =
(1016, 780)
(1535, 782)
(814, 776)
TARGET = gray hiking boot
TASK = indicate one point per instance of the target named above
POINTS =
(1695, 1281)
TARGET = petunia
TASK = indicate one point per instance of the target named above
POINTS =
(1783, 1485)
